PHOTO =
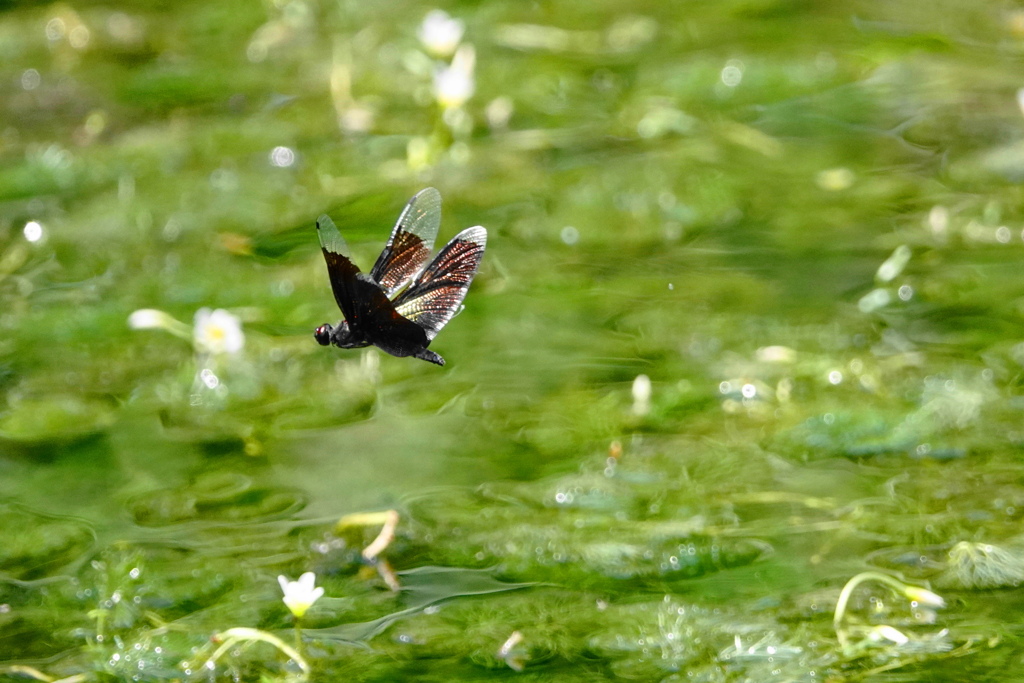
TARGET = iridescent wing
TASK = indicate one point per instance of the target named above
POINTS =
(436, 294)
(339, 267)
(410, 243)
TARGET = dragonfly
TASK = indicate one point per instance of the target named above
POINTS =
(403, 302)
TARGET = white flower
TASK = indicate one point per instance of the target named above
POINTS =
(641, 395)
(152, 319)
(149, 319)
(498, 112)
(356, 118)
(894, 265)
(874, 300)
(439, 33)
(217, 331)
(300, 595)
(885, 632)
(454, 85)
(33, 231)
(776, 354)
(924, 597)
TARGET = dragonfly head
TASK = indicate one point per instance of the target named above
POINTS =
(323, 334)
(340, 335)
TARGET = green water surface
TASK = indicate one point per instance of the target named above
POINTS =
(750, 323)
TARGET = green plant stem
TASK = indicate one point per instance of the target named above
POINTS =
(228, 639)
(844, 598)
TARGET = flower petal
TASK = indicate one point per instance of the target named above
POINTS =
(147, 318)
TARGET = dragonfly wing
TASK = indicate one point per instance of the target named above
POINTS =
(410, 243)
(339, 267)
(437, 293)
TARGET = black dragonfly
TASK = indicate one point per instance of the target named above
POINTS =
(401, 305)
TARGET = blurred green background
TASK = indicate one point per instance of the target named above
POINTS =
(749, 324)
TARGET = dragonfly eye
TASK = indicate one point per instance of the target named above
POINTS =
(323, 334)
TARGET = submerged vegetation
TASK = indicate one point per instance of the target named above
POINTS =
(734, 396)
